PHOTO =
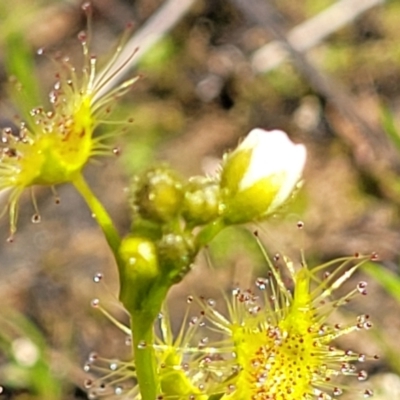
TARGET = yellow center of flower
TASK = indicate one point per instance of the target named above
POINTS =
(279, 361)
(59, 150)
(52, 147)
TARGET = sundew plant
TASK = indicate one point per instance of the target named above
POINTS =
(275, 340)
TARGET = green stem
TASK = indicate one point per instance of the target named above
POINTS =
(208, 233)
(145, 358)
(100, 214)
(142, 318)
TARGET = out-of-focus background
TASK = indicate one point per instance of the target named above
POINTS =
(327, 72)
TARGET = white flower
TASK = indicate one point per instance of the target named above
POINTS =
(260, 175)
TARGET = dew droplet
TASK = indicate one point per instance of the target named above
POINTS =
(337, 391)
(362, 375)
(189, 299)
(92, 357)
(211, 302)
(322, 329)
(128, 341)
(231, 388)
(368, 393)
(362, 318)
(327, 274)
(86, 6)
(118, 390)
(36, 218)
(367, 325)
(203, 342)
(35, 111)
(113, 366)
(116, 151)
(86, 367)
(362, 357)
(185, 366)
(235, 292)
(344, 368)
(300, 224)
(88, 383)
(361, 287)
(53, 97)
(97, 277)
(40, 51)
(374, 256)
(142, 345)
(82, 37)
(95, 303)
(262, 283)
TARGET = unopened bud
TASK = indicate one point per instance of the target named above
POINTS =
(158, 195)
(260, 175)
(201, 202)
(176, 254)
(140, 270)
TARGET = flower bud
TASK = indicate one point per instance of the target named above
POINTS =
(201, 201)
(139, 272)
(176, 254)
(158, 195)
(260, 175)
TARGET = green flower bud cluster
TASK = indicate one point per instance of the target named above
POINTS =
(167, 209)
(161, 196)
(175, 217)
(255, 180)
(168, 212)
